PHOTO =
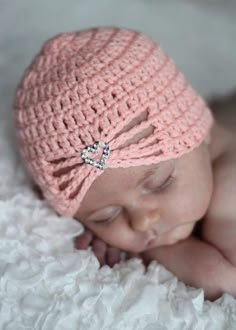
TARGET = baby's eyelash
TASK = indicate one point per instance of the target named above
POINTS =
(165, 184)
(107, 221)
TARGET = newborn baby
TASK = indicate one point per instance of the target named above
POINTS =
(114, 136)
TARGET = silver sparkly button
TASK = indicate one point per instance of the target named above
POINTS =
(94, 149)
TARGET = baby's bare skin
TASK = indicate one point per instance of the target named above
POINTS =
(210, 263)
(219, 227)
(198, 264)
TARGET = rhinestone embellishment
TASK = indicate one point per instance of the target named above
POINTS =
(94, 149)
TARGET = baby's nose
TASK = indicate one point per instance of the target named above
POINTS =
(146, 221)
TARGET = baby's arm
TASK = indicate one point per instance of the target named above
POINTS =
(198, 264)
(219, 225)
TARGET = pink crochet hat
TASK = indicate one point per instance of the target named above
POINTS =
(78, 95)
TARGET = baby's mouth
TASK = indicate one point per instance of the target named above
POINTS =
(171, 235)
(151, 242)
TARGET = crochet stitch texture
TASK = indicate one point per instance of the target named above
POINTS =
(87, 86)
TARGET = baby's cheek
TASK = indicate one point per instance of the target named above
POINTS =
(194, 185)
(116, 234)
(181, 232)
(189, 202)
(197, 199)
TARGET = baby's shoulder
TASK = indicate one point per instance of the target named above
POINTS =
(223, 156)
(222, 141)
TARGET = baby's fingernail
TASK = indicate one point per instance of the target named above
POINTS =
(80, 245)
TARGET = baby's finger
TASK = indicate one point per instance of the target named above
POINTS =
(99, 249)
(83, 241)
(113, 256)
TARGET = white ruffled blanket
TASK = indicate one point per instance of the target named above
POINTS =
(45, 283)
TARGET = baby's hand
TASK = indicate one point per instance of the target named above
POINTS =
(105, 254)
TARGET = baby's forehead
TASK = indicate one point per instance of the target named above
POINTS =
(135, 171)
(129, 177)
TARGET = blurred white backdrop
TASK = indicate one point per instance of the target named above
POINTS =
(199, 35)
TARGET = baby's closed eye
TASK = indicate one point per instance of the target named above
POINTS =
(154, 187)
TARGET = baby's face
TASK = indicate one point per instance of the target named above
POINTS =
(128, 207)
